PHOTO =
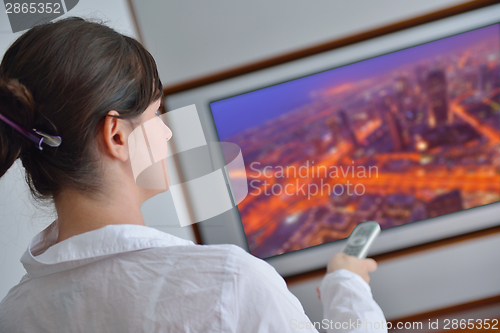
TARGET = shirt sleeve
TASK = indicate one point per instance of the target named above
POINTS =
(348, 304)
(255, 298)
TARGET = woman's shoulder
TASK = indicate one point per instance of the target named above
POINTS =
(215, 259)
(241, 267)
(218, 256)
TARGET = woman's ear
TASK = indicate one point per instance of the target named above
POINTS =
(115, 134)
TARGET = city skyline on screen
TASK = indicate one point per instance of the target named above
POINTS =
(399, 138)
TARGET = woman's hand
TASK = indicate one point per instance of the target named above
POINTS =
(359, 266)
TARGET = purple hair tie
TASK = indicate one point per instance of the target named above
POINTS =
(38, 137)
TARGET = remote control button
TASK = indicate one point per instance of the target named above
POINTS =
(358, 241)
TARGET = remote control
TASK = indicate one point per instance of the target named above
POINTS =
(361, 239)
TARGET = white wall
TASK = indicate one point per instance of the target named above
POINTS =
(193, 38)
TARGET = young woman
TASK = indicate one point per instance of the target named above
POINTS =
(71, 92)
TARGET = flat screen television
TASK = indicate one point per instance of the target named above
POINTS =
(403, 129)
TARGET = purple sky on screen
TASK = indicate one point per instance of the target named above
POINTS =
(238, 113)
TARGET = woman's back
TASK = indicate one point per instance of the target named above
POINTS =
(126, 278)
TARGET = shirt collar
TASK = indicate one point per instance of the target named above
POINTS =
(44, 256)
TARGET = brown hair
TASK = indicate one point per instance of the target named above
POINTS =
(63, 78)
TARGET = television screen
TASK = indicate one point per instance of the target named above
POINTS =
(399, 138)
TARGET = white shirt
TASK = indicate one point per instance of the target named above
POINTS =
(129, 278)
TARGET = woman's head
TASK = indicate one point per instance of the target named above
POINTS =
(63, 78)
